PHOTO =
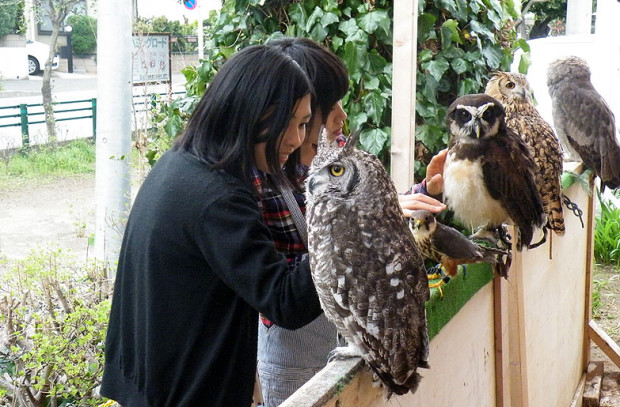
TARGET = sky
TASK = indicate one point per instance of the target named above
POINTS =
(173, 10)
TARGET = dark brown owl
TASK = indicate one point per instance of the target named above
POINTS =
(583, 121)
(448, 246)
(488, 174)
(513, 90)
(367, 269)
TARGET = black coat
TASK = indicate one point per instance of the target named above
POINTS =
(195, 268)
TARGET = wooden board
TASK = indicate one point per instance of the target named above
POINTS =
(554, 308)
(604, 341)
(592, 387)
(403, 96)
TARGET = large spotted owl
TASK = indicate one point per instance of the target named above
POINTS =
(583, 121)
(488, 174)
(368, 271)
(513, 90)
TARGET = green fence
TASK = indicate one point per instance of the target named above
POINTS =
(25, 115)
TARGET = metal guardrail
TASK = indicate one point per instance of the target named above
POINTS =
(24, 115)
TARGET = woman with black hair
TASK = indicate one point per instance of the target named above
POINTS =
(197, 263)
(289, 358)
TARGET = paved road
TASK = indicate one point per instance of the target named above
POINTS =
(65, 87)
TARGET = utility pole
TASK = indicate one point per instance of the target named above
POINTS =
(201, 32)
(113, 149)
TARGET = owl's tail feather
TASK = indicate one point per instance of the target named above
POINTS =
(555, 216)
(391, 387)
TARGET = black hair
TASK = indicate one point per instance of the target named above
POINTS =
(250, 100)
(328, 76)
(326, 71)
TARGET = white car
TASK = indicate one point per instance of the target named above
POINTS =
(37, 55)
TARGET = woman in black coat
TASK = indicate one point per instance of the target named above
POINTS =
(197, 264)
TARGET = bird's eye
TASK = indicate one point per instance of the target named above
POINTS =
(464, 115)
(487, 116)
(510, 85)
(336, 170)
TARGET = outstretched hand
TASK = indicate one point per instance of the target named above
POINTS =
(412, 202)
(434, 173)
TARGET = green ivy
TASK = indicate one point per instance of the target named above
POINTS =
(459, 44)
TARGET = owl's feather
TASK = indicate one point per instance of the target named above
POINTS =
(583, 121)
(513, 90)
(448, 246)
(367, 269)
(488, 178)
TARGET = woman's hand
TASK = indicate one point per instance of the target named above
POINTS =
(434, 173)
(414, 202)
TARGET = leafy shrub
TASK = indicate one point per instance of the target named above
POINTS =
(607, 234)
(84, 34)
(12, 17)
(54, 316)
(459, 44)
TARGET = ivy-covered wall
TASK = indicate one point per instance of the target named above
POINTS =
(459, 44)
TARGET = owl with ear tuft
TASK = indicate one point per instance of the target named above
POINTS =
(367, 269)
(513, 90)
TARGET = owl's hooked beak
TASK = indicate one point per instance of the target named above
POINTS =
(476, 129)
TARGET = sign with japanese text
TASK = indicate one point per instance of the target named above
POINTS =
(151, 58)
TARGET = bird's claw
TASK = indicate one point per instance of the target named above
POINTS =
(342, 353)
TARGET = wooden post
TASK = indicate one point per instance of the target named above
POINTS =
(517, 340)
(403, 94)
(589, 273)
(502, 344)
(578, 17)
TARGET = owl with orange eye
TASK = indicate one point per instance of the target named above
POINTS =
(513, 91)
(366, 266)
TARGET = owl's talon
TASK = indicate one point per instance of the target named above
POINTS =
(504, 236)
(342, 353)
(485, 235)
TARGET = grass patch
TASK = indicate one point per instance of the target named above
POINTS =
(597, 301)
(607, 234)
(40, 164)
